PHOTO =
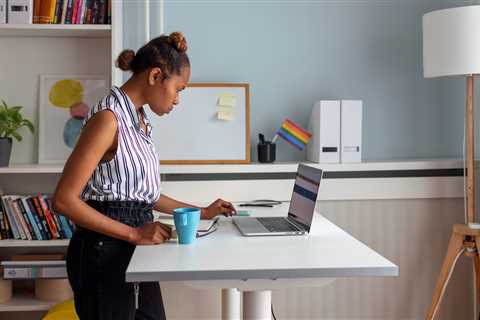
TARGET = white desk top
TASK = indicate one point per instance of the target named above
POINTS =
(327, 251)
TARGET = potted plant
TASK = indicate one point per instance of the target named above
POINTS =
(10, 121)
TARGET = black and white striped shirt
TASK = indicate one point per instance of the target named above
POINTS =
(133, 174)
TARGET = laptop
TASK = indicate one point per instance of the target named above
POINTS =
(300, 213)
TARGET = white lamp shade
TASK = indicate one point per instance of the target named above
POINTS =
(451, 42)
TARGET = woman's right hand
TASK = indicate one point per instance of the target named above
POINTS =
(150, 233)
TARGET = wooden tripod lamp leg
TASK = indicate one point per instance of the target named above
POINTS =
(476, 261)
(455, 247)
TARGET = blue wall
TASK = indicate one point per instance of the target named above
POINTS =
(296, 52)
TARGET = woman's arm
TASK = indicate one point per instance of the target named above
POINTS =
(96, 139)
(166, 204)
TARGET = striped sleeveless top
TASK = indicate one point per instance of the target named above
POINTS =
(133, 174)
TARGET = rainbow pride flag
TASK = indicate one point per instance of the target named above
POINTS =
(293, 134)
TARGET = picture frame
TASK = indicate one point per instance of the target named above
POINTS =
(64, 101)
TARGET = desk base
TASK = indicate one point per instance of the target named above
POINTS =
(256, 304)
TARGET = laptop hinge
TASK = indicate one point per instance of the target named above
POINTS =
(297, 224)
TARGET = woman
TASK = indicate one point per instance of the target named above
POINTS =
(111, 183)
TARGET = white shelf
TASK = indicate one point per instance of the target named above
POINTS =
(25, 302)
(263, 168)
(55, 30)
(8, 243)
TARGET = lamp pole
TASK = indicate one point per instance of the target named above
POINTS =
(470, 153)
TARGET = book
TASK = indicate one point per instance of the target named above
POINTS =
(16, 217)
(48, 217)
(55, 217)
(10, 217)
(33, 222)
(58, 12)
(66, 228)
(36, 11)
(74, 11)
(6, 223)
(64, 11)
(19, 207)
(68, 15)
(45, 11)
(43, 219)
(34, 269)
(37, 218)
(3, 221)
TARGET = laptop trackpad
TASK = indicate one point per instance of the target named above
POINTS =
(251, 225)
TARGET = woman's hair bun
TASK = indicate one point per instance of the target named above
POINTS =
(124, 60)
(178, 41)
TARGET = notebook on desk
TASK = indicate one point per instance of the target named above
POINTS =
(203, 226)
(300, 213)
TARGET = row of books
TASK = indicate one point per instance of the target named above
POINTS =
(55, 11)
(32, 218)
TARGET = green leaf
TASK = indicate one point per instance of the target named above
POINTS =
(17, 136)
(28, 124)
(11, 120)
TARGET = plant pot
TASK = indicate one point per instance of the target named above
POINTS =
(5, 150)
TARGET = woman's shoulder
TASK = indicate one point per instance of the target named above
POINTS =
(109, 103)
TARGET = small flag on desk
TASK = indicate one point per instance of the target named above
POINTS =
(293, 134)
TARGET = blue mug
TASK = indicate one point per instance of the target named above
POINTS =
(186, 223)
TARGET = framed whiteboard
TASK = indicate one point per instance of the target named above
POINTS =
(195, 133)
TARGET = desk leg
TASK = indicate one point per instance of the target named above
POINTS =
(230, 304)
(257, 305)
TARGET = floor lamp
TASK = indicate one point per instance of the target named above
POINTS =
(451, 47)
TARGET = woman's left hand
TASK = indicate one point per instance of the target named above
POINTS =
(219, 206)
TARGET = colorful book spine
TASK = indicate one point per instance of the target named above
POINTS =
(68, 17)
(3, 221)
(65, 227)
(9, 233)
(58, 12)
(37, 218)
(16, 217)
(32, 219)
(64, 11)
(23, 214)
(11, 219)
(36, 11)
(40, 212)
(53, 5)
(48, 216)
(55, 217)
(74, 12)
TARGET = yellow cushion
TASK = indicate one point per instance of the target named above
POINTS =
(62, 311)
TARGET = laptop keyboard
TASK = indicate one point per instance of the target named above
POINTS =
(277, 224)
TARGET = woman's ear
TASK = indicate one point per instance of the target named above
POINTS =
(154, 75)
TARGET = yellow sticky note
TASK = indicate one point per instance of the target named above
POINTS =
(227, 100)
(225, 114)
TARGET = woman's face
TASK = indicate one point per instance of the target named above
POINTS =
(164, 94)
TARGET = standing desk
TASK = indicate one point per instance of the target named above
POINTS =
(256, 265)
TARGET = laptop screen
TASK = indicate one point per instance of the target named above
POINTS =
(304, 196)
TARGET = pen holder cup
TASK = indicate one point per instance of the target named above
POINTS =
(266, 152)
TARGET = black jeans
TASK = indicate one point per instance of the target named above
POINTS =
(96, 266)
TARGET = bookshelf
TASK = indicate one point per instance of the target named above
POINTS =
(55, 30)
(27, 52)
(22, 301)
(10, 243)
